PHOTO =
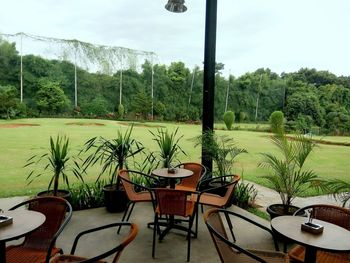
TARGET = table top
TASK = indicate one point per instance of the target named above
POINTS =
(181, 173)
(333, 238)
(24, 222)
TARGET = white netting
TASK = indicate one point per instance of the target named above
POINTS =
(93, 58)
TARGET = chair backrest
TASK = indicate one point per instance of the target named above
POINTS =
(330, 213)
(57, 211)
(129, 185)
(227, 183)
(218, 234)
(126, 241)
(171, 201)
(198, 170)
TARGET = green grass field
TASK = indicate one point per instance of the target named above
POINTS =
(17, 144)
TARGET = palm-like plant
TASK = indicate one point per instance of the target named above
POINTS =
(287, 174)
(112, 154)
(221, 149)
(57, 162)
(340, 190)
(168, 144)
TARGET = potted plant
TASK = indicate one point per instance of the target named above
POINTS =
(112, 155)
(223, 151)
(58, 163)
(287, 174)
(168, 144)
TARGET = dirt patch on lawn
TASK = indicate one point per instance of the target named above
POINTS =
(85, 124)
(17, 125)
(144, 125)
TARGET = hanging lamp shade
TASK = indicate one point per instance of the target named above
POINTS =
(176, 6)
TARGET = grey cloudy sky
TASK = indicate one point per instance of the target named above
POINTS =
(283, 35)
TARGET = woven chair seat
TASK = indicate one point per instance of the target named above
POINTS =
(298, 253)
(17, 254)
(70, 259)
(212, 200)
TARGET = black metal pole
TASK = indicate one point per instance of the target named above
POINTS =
(209, 74)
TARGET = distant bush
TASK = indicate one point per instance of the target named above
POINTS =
(277, 122)
(229, 118)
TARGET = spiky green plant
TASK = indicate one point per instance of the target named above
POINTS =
(112, 154)
(340, 190)
(286, 171)
(221, 149)
(168, 144)
(57, 162)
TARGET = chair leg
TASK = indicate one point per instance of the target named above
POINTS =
(125, 213)
(131, 209)
(196, 231)
(154, 234)
(190, 223)
(230, 226)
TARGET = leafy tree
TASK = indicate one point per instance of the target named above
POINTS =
(98, 106)
(9, 63)
(142, 103)
(50, 98)
(10, 106)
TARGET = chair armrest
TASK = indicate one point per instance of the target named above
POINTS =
(235, 246)
(220, 179)
(254, 223)
(105, 254)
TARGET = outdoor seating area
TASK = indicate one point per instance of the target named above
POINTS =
(155, 232)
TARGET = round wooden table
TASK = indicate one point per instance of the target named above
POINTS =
(172, 177)
(24, 222)
(333, 238)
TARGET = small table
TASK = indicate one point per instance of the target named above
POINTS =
(334, 238)
(172, 177)
(24, 222)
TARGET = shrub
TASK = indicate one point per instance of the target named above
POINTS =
(86, 196)
(229, 118)
(244, 195)
(277, 122)
(121, 111)
(243, 116)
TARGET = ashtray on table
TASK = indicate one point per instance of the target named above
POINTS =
(172, 170)
(5, 220)
(312, 228)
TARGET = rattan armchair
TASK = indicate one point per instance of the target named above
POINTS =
(229, 249)
(39, 246)
(191, 183)
(136, 192)
(117, 250)
(171, 203)
(333, 214)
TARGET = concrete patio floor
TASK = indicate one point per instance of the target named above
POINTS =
(172, 249)
(174, 246)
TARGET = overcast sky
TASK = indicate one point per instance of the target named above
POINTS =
(283, 35)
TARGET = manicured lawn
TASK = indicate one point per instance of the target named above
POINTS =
(17, 144)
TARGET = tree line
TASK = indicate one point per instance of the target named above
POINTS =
(310, 99)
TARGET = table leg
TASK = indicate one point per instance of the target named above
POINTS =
(2, 252)
(310, 255)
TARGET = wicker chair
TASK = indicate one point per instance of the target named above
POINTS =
(117, 250)
(191, 183)
(144, 194)
(229, 251)
(171, 203)
(333, 214)
(39, 246)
